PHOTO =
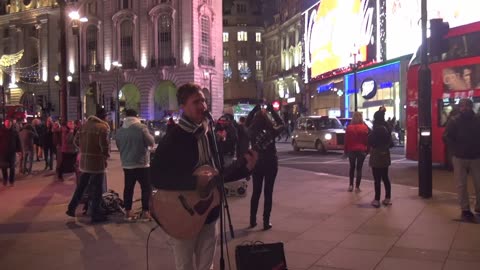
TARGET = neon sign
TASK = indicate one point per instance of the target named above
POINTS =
(330, 38)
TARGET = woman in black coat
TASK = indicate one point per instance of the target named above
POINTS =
(380, 142)
(262, 136)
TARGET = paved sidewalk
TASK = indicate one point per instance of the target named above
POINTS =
(322, 226)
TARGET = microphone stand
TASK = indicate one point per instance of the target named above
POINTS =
(223, 197)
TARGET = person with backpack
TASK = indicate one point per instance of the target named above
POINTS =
(380, 142)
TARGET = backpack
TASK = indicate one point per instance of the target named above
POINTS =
(111, 203)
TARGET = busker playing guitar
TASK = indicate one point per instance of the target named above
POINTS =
(176, 170)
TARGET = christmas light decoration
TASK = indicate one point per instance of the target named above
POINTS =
(8, 60)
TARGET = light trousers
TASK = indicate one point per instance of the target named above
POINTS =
(198, 251)
(461, 169)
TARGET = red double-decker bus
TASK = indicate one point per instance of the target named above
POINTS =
(456, 75)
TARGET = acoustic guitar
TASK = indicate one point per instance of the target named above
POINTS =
(182, 214)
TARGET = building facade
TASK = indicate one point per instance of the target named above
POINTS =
(142, 51)
(242, 51)
(283, 58)
(136, 52)
(29, 30)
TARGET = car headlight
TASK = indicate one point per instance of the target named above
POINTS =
(157, 133)
(328, 136)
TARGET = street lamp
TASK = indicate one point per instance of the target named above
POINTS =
(117, 66)
(76, 20)
(354, 66)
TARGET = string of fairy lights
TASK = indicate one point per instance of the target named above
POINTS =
(28, 75)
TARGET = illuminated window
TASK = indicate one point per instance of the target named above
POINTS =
(165, 37)
(205, 42)
(242, 65)
(225, 37)
(226, 53)
(92, 32)
(258, 52)
(258, 65)
(242, 36)
(258, 37)
(226, 65)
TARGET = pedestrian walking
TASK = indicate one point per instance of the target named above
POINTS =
(380, 142)
(38, 128)
(462, 138)
(9, 145)
(133, 140)
(48, 146)
(356, 148)
(94, 144)
(27, 138)
(68, 149)
(259, 125)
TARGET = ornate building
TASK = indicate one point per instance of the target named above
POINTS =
(283, 42)
(136, 51)
(30, 29)
(242, 51)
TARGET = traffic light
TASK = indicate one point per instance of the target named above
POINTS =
(438, 44)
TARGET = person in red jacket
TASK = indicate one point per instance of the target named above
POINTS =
(356, 147)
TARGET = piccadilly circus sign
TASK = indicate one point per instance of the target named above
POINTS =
(333, 28)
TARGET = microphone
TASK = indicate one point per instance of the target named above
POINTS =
(208, 115)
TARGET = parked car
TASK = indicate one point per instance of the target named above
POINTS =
(318, 132)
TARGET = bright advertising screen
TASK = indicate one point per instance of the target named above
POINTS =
(404, 26)
(333, 30)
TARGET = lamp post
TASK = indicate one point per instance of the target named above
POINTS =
(63, 61)
(117, 66)
(354, 67)
(76, 20)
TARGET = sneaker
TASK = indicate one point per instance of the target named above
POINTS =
(387, 202)
(350, 188)
(357, 189)
(145, 216)
(129, 216)
(376, 203)
(467, 215)
(267, 226)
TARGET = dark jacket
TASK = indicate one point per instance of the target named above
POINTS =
(175, 161)
(263, 140)
(243, 142)
(27, 136)
(379, 142)
(47, 137)
(462, 135)
(9, 144)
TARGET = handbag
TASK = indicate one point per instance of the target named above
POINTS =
(260, 256)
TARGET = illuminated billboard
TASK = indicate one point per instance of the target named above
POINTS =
(403, 21)
(333, 30)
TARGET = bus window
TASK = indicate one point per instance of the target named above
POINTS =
(448, 107)
(463, 46)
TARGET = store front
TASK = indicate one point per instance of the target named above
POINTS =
(327, 97)
(377, 86)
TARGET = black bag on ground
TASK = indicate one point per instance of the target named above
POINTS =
(260, 256)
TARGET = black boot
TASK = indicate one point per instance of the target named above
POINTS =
(253, 222)
(266, 223)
